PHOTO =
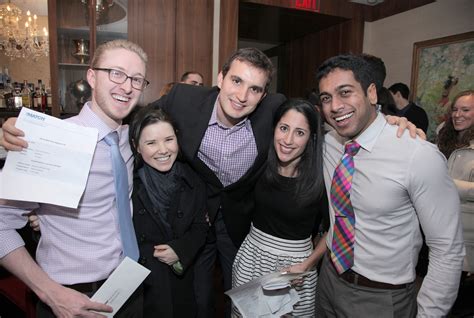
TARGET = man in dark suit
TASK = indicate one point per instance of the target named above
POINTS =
(405, 108)
(224, 133)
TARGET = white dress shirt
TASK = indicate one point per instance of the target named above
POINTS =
(398, 184)
(77, 245)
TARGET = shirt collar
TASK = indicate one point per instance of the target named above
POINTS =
(214, 121)
(368, 137)
(92, 119)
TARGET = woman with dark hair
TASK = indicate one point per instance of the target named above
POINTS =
(169, 215)
(456, 142)
(290, 202)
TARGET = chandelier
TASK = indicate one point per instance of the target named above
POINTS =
(20, 39)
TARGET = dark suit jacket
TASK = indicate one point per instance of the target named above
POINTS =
(191, 108)
(416, 115)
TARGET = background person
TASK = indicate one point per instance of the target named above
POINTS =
(456, 141)
(405, 108)
(192, 78)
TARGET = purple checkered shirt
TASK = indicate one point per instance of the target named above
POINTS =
(228, 152)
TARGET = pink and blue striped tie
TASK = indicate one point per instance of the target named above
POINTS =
(342, 254)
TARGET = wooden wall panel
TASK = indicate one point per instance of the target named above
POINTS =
(176, 35)
(194, 22)
(303, 56)
(53, 57)
(228, 29)
(152, 24)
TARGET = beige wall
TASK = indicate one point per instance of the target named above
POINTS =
(21, 69)
(392, 38)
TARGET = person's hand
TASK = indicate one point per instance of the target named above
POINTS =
(403, 124)
(297, 268)
(11, 134)
(165, 254)
(33, 221)
(66, 302)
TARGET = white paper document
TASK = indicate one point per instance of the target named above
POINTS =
(120, 285)
(55, 166)
(270, 295)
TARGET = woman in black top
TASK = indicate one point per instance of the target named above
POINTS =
(290, 203)
(169, 215)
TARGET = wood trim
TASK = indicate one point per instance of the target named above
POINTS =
(194, 21)
(152, 25)
(229, 28)
(53, 57)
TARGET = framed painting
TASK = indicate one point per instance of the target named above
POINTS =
(441, 68)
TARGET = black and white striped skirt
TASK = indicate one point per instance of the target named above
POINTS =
(262, 253)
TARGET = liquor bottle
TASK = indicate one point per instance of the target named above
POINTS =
(5, 75)
(8, 95)
(3, 103)
(37, 99)
(31, 87)
(38, 96)
(25, 95)
(44, 98)
(17, 98)
(49, 99)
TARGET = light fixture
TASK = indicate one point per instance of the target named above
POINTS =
(367, 2)
(101, 9)
(20, 39)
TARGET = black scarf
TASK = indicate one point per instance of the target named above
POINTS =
(160, 187)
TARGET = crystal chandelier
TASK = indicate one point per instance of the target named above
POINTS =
(18, 39)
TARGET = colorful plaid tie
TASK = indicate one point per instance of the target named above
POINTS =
(342, 255)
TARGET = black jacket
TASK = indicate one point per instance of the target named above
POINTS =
(165, 293)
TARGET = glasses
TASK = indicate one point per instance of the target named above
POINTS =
(119, 77)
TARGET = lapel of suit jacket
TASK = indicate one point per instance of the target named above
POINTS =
(196, 123)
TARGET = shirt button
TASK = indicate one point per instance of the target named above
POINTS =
(180, 214)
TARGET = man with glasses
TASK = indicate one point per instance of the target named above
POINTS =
(80, 247)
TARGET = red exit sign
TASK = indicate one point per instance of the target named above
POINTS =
(312, 5)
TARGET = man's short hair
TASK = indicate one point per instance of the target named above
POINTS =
(254, 57)
(117, 44)
(400, 87)
(355, 63)
(186, 74)
(378, 69)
